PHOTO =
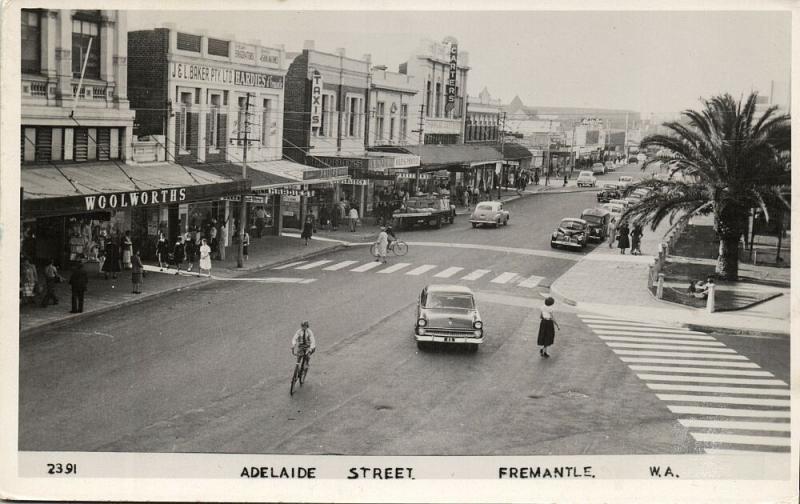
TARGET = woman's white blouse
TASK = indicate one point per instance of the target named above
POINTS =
(547, 313)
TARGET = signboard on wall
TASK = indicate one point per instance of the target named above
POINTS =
(269, 57)
(217, 75)
(451, 80)
(316, 99)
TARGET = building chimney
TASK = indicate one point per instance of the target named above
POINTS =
(308, 44)
(340, 51)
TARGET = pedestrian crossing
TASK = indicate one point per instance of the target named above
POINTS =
(456, 273)
(728, 403)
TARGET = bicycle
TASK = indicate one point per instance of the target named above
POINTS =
(300, 370)
(396, 247)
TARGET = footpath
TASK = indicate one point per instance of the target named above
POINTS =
(609, 283)
(104, 295)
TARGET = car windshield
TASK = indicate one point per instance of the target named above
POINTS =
(572, 225)
(592, 219)
(585, 174)
(483, 207)
(610, 187)
(449, 300)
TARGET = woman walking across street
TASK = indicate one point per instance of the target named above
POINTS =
(547, 333)
(162, 251)
(382, 245)
(353, 218)
(127, 250)
(308, 229)
(622, 240)
(137, 273)
(205, 257)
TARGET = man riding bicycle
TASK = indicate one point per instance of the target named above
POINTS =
(303, 342)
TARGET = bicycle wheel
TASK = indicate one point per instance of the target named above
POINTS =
(294, 378)
(303, 370)
(373, 250)
(400, 248)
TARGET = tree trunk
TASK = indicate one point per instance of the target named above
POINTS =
(728, 261)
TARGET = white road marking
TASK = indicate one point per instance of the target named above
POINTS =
(448, 272)
(313, 264)
(711, 379)
(285, 266)
(739, 439)
(718, 390)
(366, 267)
(644, 346)
(268, 280)
(338, 266)
(645, 339)
(652, 335)
(395, 267)
(609, 327)
(685, 355)
(732, 424)
(696, 370)
(729, 412)
(475, 274)
(421, 269)
(689, 362)
(308, 281)
(723, 400)
(503, 278)
(596, 319)
(531, 281)
(719, 451)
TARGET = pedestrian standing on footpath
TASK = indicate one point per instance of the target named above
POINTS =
(51, 278)
(622, 240)
(213, 243)
(547, 332)
(162, 252)
(323, 216)
(127, 250)
(223, 239)
(246, 245)
(636, 239)
(205, 256)
(566, 177)
(353, 218)
(112, 262)
(79, 281)
(308, 229)
(189, 248)
(179, 253)
(612, 232)
(29, 277)
(137, 273)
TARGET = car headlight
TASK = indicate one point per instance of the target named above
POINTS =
(477, 324)
(421, 331)
(478, 333)
(422, 322)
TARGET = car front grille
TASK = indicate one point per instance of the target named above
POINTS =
(450, 332)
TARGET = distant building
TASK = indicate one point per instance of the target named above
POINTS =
(484, 117)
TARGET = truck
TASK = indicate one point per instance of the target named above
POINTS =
(432, 211)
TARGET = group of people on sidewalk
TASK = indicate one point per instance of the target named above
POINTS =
(625, 237)
(342, 212)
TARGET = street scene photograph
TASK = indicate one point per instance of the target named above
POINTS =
(405, 233)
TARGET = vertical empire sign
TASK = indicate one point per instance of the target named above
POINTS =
(316, 99)
(451, 80)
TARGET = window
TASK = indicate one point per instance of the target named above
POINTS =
(266, 123)
(241, 120)
(438, 99)
(188, 42)
(391, 129)
(84, 33)
(328, 114)
(379, 120)
(31, 46)
(354, 113)
(184, 128)
(217, 47)
(403, 122)
(213, 122)
(428, 100)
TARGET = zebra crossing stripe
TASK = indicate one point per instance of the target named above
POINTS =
(600, 332)
(733, 424)
(632, 339)
(503, 278)
(448, 272)
(723, 400)
(615, 321)
(688, 362)
(644, 346)
(395, 267)
(711, 379)
(366, 267)
(313, 264)
(696, 370)
(718, 390)
(704, 437)
(338, 266)
(728, 412)
(475, 274)
(421, 269)
(664, 330)
(308, 281)
(531, 281)
(290, 265)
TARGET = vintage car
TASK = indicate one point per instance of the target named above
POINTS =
(490, 213)
(624, 181)
(599, 168)
(610, 166)
(620, 202)
(570, 233)
(608, 192)
(597, 220)
(586, 178)
(448, 314)
(615, 209)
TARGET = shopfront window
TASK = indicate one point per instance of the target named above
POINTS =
(86, 40)
(31, 46)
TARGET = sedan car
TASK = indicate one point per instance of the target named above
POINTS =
(597, 220)
(624, 181)
(586, 178)
(490, 213)
(615, 209)
(570, 233)
(608, 192)
(448, 314)
(599, 168)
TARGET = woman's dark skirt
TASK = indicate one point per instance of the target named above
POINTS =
(546, 333)
(136, 277)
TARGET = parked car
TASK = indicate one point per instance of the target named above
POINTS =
(621, 202)
(615, 209)
(633, 159)
(610, 166)
(448, 314)
(586, 178)
(608, 192)
(624, 181)
(570, 233)
(599, 168)
(490, 213)
(597, 220)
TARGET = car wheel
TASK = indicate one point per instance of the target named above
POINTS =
(474, 224)
(505, 222)
(422, 345)
(497, 224)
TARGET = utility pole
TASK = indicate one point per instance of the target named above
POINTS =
(243, 203)
(421, 126)
(502, 153)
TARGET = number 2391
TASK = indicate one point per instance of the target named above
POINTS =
(62, 468)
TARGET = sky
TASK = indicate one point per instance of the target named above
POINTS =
(652, 62)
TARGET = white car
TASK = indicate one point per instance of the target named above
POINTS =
(599, 168)
(615, 208)
(586, 178)
(490, 213)
(625, 181)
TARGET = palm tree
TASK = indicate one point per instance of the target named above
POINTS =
(722, 161)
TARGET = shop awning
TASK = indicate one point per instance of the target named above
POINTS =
(256, 177)
(289, 173)
(453, 157)
(63, 189)
(515, 151)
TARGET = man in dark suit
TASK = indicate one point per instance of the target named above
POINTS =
(79, 280)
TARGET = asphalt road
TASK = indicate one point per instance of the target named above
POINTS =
(207, 369)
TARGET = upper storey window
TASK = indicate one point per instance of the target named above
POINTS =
(86, 40)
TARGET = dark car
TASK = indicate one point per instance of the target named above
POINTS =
(597, 220)
(570, 233)
(609, 192)
(448, 314)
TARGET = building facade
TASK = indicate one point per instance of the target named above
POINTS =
(484, 119)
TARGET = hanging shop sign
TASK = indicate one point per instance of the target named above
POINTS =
(361, 182)
(132, 199)
(229, 76)
(284, 191)
(451, 80)
(512, 163)
(406, 161)
(248, 199)
(316, 99)
(422, 176)
(324, 173)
